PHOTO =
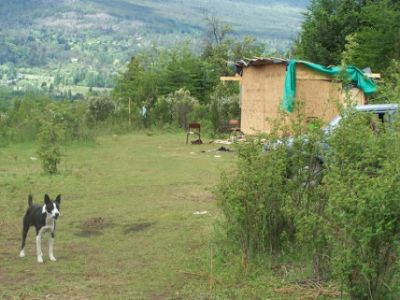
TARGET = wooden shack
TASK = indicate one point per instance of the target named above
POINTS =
(262, 84)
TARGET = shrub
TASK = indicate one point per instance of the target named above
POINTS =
(306, 202)
(364, 207)
(162, 112)
(274, 198)
(50, 137)
(252, 199)
(347, 219)
(71, 115)
(100, 109)
(24, 117)
(22, 121)
(174, 108)
(389, 91)
(223, 107)
(182, 104)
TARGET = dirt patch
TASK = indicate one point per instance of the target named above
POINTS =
(137, 227)
(97, 222)
(93, 227)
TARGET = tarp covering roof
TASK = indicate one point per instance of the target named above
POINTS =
(353, 74)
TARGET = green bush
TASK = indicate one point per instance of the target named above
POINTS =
(182, 104)
(71, 115)
(49, 139)
(161, 114)
(24, 117)
(273, 203)
(364, 208)
(175, 108)
(100, 109)
(252, 199)
(22, 121)
(389, 91)
(342, 218)
(223, 106)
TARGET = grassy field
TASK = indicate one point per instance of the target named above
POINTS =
(127, 228)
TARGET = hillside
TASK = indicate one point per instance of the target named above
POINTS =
(85, 42)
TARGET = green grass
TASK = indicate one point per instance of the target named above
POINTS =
(127, 229)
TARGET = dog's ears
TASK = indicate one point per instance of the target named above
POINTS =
(58, 199)
(46, 199)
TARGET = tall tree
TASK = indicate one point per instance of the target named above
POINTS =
(326, 25)
(360, 32)
(377, 40)
(221, 48)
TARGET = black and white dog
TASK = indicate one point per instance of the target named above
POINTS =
(44, 219)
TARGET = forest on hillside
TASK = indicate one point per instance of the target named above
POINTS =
(333, 33)
(64, 44)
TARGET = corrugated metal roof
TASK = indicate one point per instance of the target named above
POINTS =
(259, 61)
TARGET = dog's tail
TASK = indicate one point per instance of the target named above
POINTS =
(30, 200)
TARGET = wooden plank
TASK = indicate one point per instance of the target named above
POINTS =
(231, 78)
(373, 75)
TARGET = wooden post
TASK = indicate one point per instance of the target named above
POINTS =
(129, 111)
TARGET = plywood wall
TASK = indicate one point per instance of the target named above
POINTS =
(319, 93)
(261, 93)
(262, 90)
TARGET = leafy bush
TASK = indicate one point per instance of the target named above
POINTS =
(363, 207)
(182, 104)
(22, 121)
(180, 108)
(223, 106)
(389, 91)
(71, 115)
(49, 139)
(252, 199)
(274, 200)
(162, 112)
(174, 108)
(24, 117)
(100, 109)
(346, 215)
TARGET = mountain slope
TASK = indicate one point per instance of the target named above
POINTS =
(63, 36)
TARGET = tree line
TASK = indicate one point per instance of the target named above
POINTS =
(364, 33)
(158, 74)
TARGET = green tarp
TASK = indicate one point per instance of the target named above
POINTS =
(355, 75)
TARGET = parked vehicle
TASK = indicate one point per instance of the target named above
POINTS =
(385, 113)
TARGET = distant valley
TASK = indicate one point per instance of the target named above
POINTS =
(63, 43)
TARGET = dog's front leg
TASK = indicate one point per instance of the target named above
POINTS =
(51, 246)
(39, 248)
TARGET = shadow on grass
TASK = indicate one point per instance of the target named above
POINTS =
(137, 227)
(95, 226)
